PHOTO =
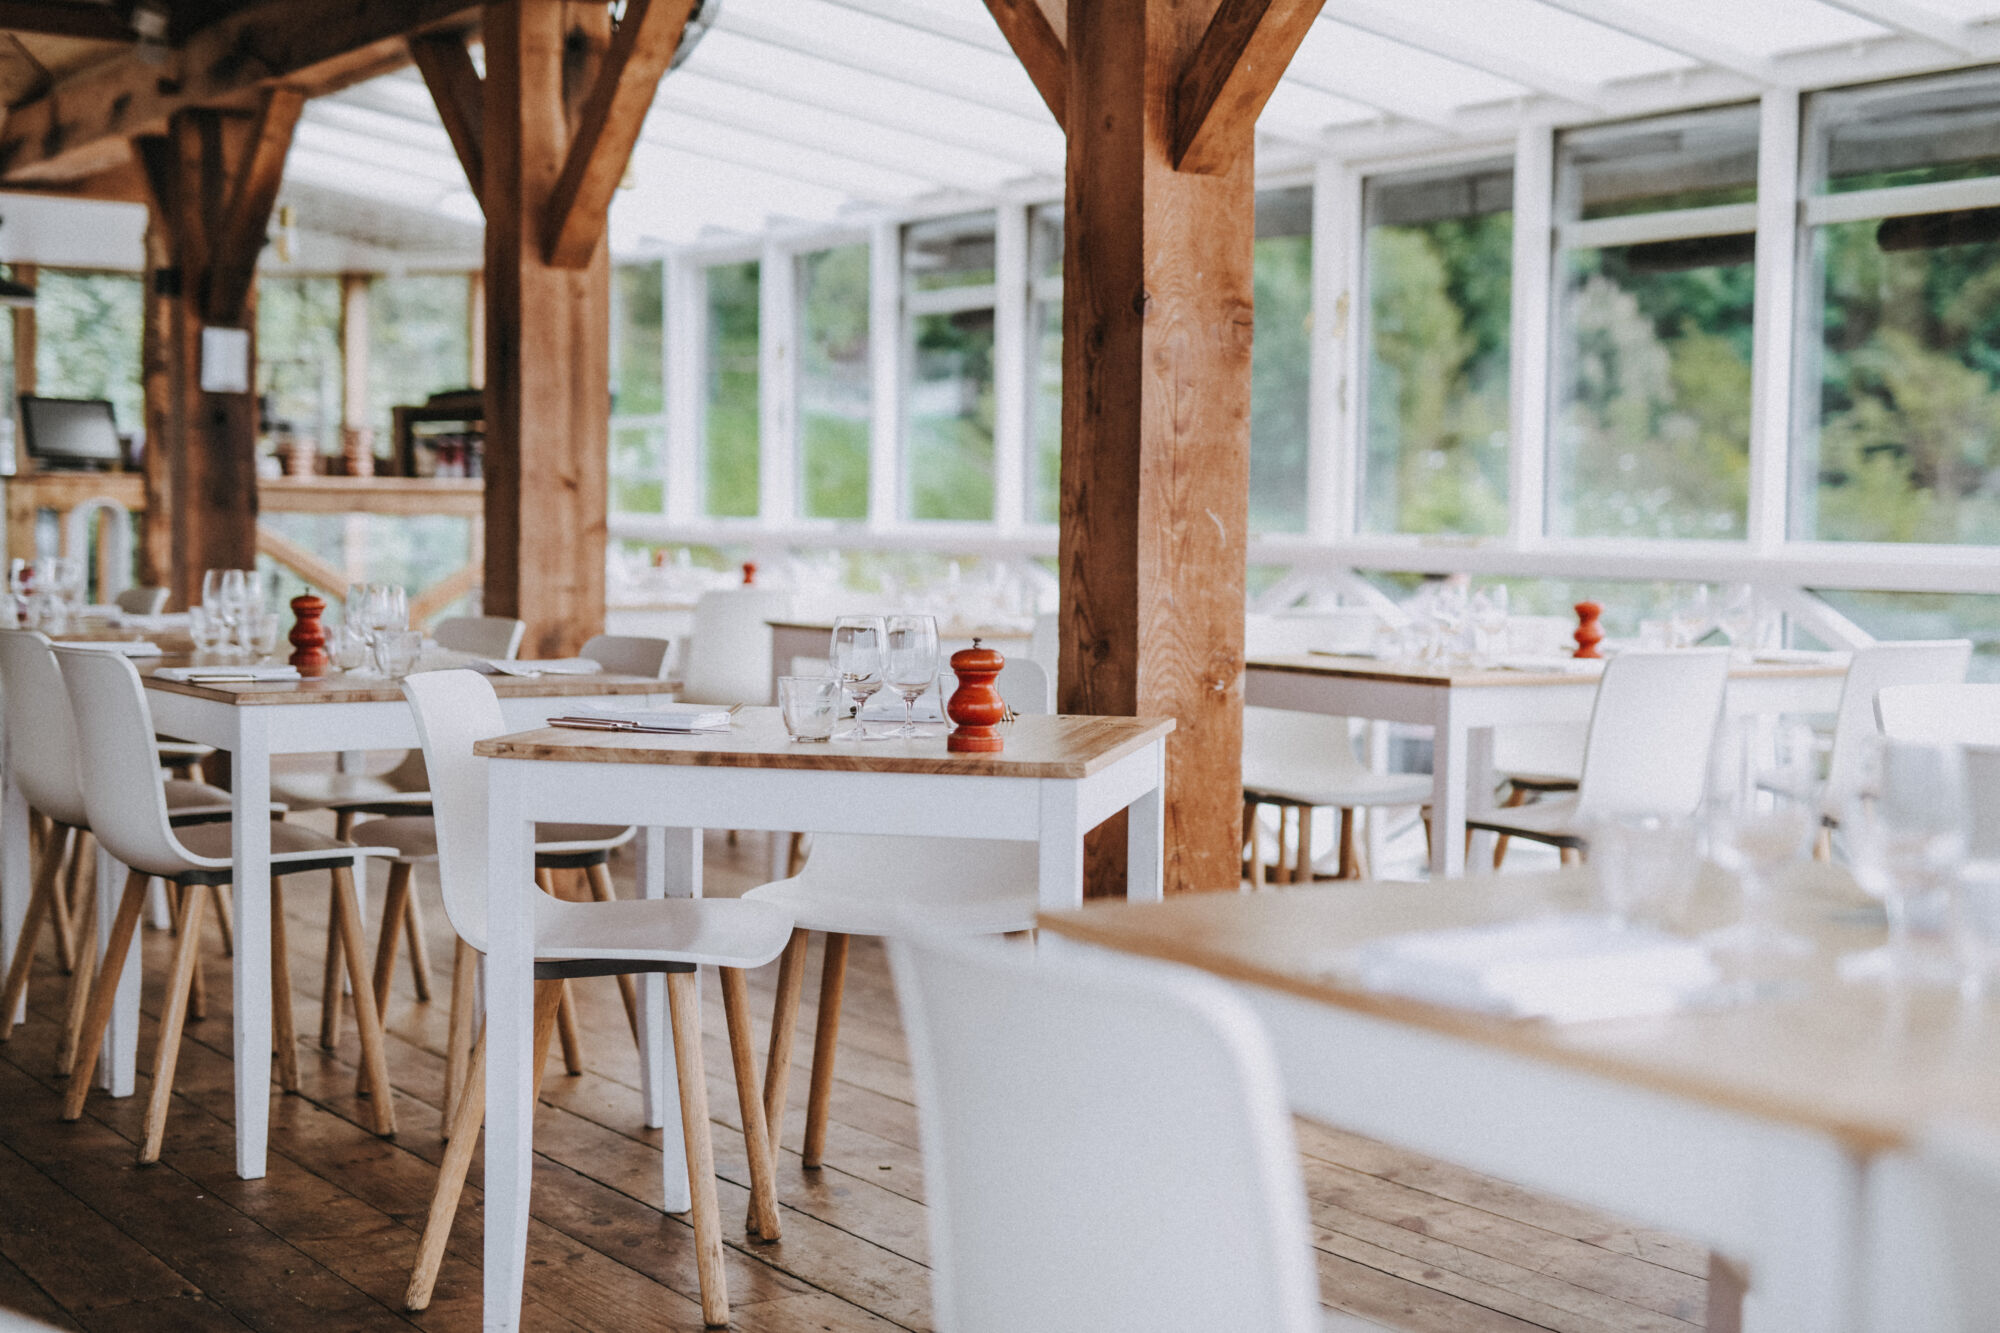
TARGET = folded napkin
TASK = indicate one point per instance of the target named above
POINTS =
(196, 675)
(546, 666)
(649, 717)
(129, 647)
(1554, 664)
(1566, 968)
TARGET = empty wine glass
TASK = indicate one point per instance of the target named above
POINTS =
(1737, 618)
(1755, 840)
(857, 663)
(910, 662)
(1489, 622)
(1905, 836)
(1690, 617)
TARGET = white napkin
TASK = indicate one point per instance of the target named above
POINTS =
(1566, 968)
(247, 672)
(547, 666)
(1552, 664)
(658, 717)
(129, 647)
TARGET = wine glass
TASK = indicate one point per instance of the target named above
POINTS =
(1737, 618)
(910, 662)
(1489, 622)
(857, 663)
(1756, 841)
(1905, 835)
(1690, 617)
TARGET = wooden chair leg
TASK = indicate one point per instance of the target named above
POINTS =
(458, 1045)
(599, 878)
(1350, 864)
(826, 1035)
(225, 918)
(392, 932)
(682, 990)
(784, 1023)
(180, 979)
(1253, 838)
(569, 1032)
(1516, 796)
(284, 1021)
(750, 1102)
(1823, 844)
(41, 904)
(420, 953)
(1571, 856)
(79, 981)
(795, 855)
(343, 823)
(331, 999)
(198, 984)
(105, 993)
(65, 845)
(464, 1136)
(366, 1020)
(1302, 863)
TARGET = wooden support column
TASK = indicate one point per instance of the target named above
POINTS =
(1160, 105)
(354, 345)
(24, 334)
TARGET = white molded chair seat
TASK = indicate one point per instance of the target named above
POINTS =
(1307, 760)
(143, 600)
(629, 654)
(414, 837)
(1107, 1147)
(209, 845)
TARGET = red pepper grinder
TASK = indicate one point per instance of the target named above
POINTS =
(976, 706)
(1588, 635)
(308, 636)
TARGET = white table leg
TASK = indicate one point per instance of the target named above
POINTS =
(510, 1111)
(1145, 838)
(1448, 767)
(118, 1058)
(250, 814)
(1807, 1271)
(1479, 795)
(669, 867)
(15, 871)
(1061, 861)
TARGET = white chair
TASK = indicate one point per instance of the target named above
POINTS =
(1535, 760)
(456, 709)
(1302, 761)
(728, 657)
(147, 600)
(855, 884)
(127, 805)
(45, 757)
(1107, 1148)
(1962, 714)
(629, 654)
(493, 637)
(1872, 669)
(1652, 728)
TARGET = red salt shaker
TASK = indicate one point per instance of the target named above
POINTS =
(976, 707)
(1588, 635)
(308, 636)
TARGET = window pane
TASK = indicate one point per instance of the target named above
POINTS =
(88, 329)
(1695, 160)
(730, 410)
(950, 416)
(1652, 437)
(1907, 445)
(1045, 263)
(949, 252)
(1928, 615)
(1913, 132)
(298, 357)
(1440, 287)
(836, 383)
(418, 337)
(1281, 360)
(638, 339)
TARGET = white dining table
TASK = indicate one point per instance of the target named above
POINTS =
(1057, 778)
(1462, 706)
(253, 722)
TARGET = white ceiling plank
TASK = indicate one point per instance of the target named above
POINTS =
(1647, 24)
(1912, 21)
(1466, 48)
(979, 30)
(863, 181)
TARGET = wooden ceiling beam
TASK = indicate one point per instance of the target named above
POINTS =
(1231, 73)
(98, 23)
(460, 94)
(239, 234)
(1032, 30)
(78, 126)
(642, 46)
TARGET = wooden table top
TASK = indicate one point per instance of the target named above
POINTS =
(1858, 1061)
(337, 688)
(1463, 677)
(1037, 747)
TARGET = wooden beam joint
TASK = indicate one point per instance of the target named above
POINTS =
(1030, 29)
(460, 94)
(1229, 76)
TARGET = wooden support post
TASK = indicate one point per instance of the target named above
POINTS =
(354, 345)
(1160, 108)
(24, 335)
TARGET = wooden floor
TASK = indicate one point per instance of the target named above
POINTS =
(88, 1239)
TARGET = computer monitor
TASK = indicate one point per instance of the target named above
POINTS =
(70, 432)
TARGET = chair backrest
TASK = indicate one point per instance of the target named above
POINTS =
(1873, 669)
(1044, 645)
(1958, 1173)
(1965, 713)
(40, 731)
(1651, 732)
(120, 765)
(146, 600)
(629, 654)
(1023, 684)
(1106, 1147)
(728, 661)
(494, 637)
(1283, 740)
(454, 710)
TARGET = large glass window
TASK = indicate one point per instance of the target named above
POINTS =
(1440, 287)
(638, 388)
(419, 340)
(948, 284)
(835, 383)
(1899, 430)
(87, 336)
(1656, 228)
(1281, 360)
(730, 416)
(298, 356)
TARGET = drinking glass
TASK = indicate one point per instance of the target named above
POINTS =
(910, 663)
(1690, 617)
(1489, 622)
(350, 645)
(857, 663)
(259, 631)
(1755, 840)
(1905, 834)
(205, 628)
(397, 651)
(809, 705)
(1646, 867)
